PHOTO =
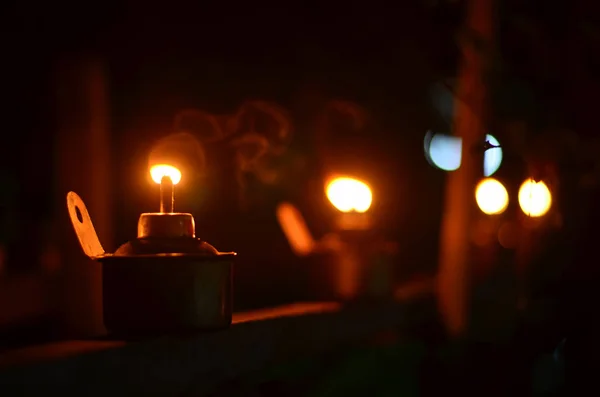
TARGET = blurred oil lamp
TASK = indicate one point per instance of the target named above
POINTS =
(492, 199)
(523, 235)
(353, 199)
(535, 201)
(357, 269)
(166, 280)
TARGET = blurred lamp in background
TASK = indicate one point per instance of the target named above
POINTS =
(362, 261)
(348, 195)
(535, 198)
(445, 152)
(353, 199)
(491, 196)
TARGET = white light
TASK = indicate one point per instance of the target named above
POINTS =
(492, 157)
(445, 152)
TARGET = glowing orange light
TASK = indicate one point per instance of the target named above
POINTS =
(349, 194)
(535, 198)
(157, 172)
(491, 196)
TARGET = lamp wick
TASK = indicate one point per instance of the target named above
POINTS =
(167, 195)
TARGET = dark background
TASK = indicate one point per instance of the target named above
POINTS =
(162, 58)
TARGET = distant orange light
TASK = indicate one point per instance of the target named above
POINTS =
(349, 195)
(157, 172)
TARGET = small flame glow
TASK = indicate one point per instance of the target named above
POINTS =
(349, 194)
(158, 171)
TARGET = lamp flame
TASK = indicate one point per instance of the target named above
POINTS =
(157, 172)
(349, 194)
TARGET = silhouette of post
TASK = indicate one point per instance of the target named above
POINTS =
(469, 124)
(82, 164)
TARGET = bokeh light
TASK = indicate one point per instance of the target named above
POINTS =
(445, 152)
(509, 234)
(491, 196)
(535, 198)
(492, 158)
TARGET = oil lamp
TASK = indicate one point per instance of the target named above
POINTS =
(343, 274)
(361, 265)
(167, 279)
(353, 199)
(359, 268)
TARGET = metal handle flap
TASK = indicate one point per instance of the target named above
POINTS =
(82, 223)
(295, 229)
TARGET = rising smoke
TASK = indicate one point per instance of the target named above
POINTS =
(260, 132)
(257, 133)
(182, 150)
(343, 117)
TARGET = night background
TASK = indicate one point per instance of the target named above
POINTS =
(265, 102)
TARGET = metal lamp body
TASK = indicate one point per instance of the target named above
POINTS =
(167, 280)
(158, 294)
(164, 281)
